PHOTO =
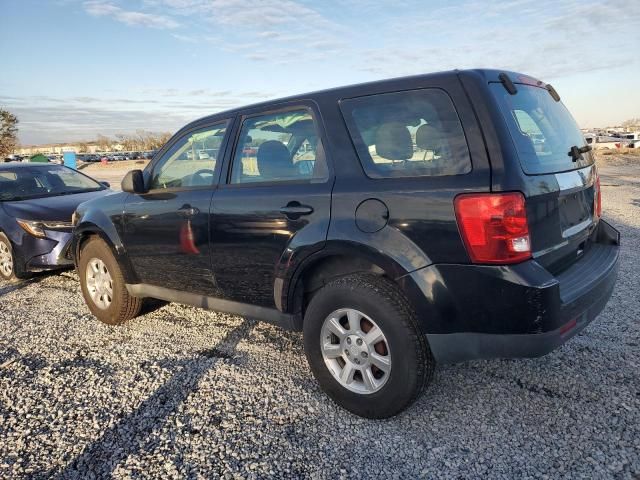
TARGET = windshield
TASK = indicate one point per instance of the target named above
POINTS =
(47, 181)
(542, 129)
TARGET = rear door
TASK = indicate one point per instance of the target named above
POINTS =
(560, 181)
(275, 204)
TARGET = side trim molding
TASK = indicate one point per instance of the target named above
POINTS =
(269, 315)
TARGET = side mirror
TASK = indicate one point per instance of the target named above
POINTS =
(106, 184)
(133, 182)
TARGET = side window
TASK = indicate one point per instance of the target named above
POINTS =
(279, 147)
(407, 134)
(191, 162)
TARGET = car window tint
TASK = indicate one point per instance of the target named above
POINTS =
(407, 134)
(66, 177)
(279, 147)
(543, 130)
(45, 181)
(191, 161)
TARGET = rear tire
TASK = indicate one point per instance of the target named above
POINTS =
(379, 342)
(103, 286)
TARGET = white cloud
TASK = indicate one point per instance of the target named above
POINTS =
(99, 8)
(58, 119)
(184, 38)
(548, 39)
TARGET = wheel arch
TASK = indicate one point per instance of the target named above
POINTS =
(89, 228)
(340, 259)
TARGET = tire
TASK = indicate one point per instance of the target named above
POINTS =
(14, 270)
(116, 305)
(377, 302)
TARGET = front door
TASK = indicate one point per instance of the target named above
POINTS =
(167, 228)
(275, 203)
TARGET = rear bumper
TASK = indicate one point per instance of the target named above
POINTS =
(482, 312)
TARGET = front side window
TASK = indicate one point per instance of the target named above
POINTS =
(407, 134)
(279, 147)
(191, 161)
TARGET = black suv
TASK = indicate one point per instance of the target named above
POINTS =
(435, 218)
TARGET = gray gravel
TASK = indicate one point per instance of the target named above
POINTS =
(181, 392)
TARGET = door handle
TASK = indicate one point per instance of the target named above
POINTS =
(295, 210)
(188, 211)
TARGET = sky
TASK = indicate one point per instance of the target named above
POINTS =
(73, 69)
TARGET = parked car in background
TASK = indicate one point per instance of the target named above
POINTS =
(36, 204)
(400, 223)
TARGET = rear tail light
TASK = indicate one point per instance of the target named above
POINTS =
(597, 198)
(494, 227)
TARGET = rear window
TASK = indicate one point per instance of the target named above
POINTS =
(407, 134)
(542, 129)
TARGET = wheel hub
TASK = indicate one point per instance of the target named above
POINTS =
(356, 350)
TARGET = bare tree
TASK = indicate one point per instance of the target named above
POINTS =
(104, 143)
(143, 140)
(632, 122)
(8, 132)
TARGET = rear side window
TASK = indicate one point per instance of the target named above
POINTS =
(407, 134)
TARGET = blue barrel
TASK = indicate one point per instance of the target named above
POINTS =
(70, 159)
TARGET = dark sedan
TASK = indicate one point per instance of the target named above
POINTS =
(36, 205)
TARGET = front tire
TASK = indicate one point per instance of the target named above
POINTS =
(10, 269)
(364, 347)
(103, 286)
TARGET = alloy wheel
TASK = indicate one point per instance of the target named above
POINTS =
(355, 350)
(6, 260)
(99, 283)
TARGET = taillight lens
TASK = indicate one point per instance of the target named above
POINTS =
(494, 227)
(597, 198)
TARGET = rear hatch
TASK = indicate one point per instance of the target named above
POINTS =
(559, 170)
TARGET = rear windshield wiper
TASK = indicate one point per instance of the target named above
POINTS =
(576, 152)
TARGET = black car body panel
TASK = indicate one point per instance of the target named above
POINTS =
(244, 248)
(105, 219)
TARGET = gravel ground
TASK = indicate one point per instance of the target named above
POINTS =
(181, 392)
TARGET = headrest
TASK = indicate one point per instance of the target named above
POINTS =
(26, 183)
(393, 141)
(274, 160)
(429, 138)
